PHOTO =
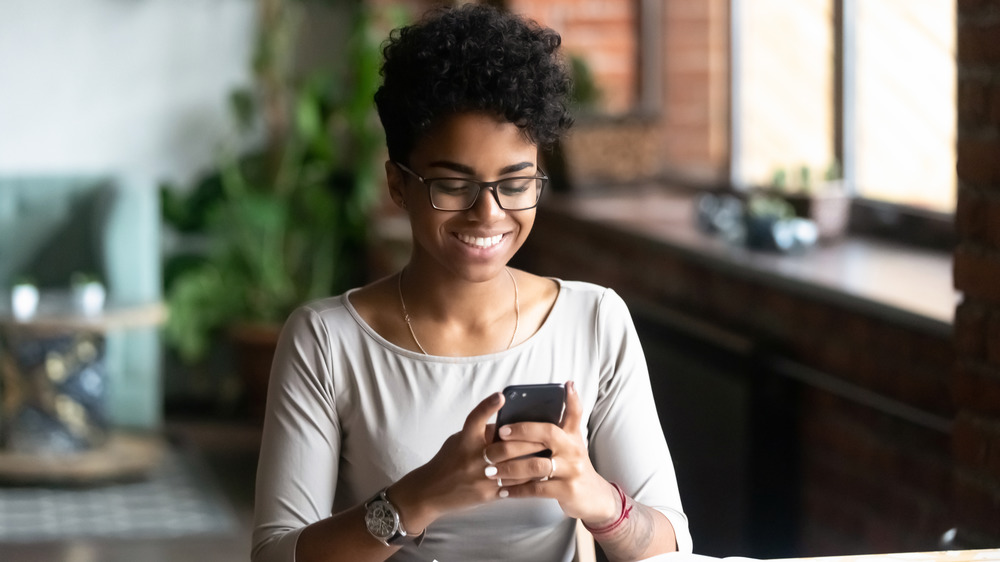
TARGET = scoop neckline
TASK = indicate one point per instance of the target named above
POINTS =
(399, 350)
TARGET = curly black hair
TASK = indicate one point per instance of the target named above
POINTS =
(472, 58)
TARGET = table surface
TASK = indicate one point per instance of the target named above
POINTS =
(911, 284)
(938, 556)
(992, 554)
(124, 455)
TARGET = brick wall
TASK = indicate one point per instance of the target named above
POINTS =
(976, 437)
(602, 32)
(695, 112)
(687, 137)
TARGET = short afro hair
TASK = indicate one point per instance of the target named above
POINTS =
(472, 58)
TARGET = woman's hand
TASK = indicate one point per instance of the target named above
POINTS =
(568, 476)
(455, 478)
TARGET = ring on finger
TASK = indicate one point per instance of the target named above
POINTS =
(486, 458)
(499, 483)
(552, 470)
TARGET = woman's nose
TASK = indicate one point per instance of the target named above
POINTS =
(486, 206)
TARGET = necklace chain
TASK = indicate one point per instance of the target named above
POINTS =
(406, 315)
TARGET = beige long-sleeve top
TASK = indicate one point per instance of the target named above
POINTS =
(349, 413)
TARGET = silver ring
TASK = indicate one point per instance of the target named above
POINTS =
(552, 470)
(499, 483)
(485, 458)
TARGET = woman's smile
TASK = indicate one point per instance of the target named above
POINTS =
(483, 242)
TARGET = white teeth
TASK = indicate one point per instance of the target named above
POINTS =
(480, 242)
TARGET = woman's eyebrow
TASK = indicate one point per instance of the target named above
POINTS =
(463, 169)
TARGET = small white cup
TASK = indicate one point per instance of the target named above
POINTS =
(89, 297)
(24, 300)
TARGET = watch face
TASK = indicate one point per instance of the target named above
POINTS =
(381, 520)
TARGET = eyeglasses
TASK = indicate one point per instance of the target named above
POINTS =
(460, 194)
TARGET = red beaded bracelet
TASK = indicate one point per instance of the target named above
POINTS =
(626, 509)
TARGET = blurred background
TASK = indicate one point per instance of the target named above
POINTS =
(799, 200)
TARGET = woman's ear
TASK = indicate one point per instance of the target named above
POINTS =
(395, 181)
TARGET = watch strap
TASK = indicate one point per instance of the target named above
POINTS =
(399, 535)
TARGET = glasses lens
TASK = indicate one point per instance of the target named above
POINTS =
(453, 194)
(519, 193)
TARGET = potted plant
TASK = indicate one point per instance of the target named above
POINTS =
(825, 202)
(285, 223)
(88, 293)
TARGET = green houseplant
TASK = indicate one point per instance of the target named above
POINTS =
(824, 201)
(287, 222)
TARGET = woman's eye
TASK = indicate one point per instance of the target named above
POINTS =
(452, 187)
(515, 187)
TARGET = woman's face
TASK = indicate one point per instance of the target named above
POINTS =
(477, 243)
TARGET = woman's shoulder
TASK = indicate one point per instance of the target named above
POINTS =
(582, 289)
(587, 294)
(582, 300)
(321, 315)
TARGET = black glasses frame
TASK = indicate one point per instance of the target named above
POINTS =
(489, 185)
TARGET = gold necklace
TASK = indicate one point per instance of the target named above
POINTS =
(406, 315)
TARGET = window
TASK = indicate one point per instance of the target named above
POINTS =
(866, 88)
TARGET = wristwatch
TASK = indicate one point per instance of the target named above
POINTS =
(382, 520)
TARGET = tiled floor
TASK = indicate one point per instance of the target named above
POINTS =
(230, 451)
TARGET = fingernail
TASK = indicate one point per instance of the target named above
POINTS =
(491, 471)
(505, 431)
(571, 386)
(495, 399)
(504, 493)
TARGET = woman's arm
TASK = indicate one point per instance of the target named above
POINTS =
(636, 532)
(300, 456)
(453, 480)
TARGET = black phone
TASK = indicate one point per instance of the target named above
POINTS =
(532, 403)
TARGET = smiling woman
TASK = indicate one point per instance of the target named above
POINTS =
(378, 441)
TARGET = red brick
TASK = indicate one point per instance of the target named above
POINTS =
(977, 272)
(977, 216)
(979, 161)
(970, 329)
(993, 112)
(977, 43)
(970, 215)
(972, 105)
(971, 7)
(979, 102)
(993, 339)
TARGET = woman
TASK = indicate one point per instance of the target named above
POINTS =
(377, 441)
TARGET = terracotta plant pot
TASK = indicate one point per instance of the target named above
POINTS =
(254, 345)
(830, 209)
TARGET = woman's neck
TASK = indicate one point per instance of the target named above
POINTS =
(444, 297)
(459, 317)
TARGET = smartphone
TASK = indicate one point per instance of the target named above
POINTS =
(532, 403)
